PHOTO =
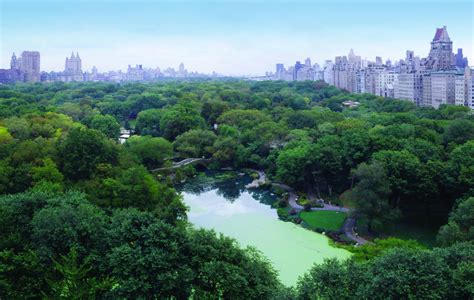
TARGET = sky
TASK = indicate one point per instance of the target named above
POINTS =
(229, 37)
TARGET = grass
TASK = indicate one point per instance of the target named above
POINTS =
(328, 220)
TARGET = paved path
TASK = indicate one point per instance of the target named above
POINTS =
(258, 181)
(347, 227)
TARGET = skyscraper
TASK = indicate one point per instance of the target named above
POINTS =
(73, 64)
(14, 63)
(298, 66)
(72, 69)
(441, 57)
(461, 61)
(30, 65)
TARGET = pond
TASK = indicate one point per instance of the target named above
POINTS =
(225, 205)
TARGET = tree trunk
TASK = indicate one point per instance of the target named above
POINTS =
(330, 189)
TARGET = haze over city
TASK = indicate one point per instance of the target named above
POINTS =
(231, 38)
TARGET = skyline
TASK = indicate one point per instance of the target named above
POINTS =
(232, 38)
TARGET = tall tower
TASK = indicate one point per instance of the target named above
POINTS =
(78, 63)
(14, 63)
(441, 55)
(73, 64)
(30, 65)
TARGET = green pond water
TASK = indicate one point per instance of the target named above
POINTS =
(246, 215)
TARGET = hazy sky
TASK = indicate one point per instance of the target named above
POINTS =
(230, 37)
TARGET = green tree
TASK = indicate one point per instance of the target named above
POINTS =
(179, 119)
(223, 270)
(47, 172)
(229, 151)
(5, 136)
(294, 164)
(458, 132)
(150, 151)
(402, 172)
(327, 157)
(212, 109)
(195, 143)
(410, 274)
(68, 221)
(148, 122)
(76, 280)
(107, 124)
(460, 226)
(135, 187)
(81, 150)
(370, 195)
(148, 258)
(460, 169)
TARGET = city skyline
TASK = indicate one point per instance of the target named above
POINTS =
(229, 38)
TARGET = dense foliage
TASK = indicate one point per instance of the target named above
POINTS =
(85, 216)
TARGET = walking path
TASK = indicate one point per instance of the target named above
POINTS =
(258, 181)
(350, 222)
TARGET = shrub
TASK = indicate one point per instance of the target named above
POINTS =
(282, 214)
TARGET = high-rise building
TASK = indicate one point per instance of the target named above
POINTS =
(443, 88)
(470, 87)
(14, 62)
(72, 69)
(298, 66)
(441, 57)
(461, 61)
(73, 64)
(409, 86)
(328, 72)
(459, 89)
(279, 72)
(182, 71)
(30, 66)
(426, 81)
(307, 62)
(378, 61)
(384, 81)
(135, 74)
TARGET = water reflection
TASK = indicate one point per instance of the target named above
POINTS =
(230, 185)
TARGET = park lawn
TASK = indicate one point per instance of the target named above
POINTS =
(328, 220)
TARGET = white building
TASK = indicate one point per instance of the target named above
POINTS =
(384, 81)
(327, 72)
(408, 86)
(459, 89)
(470, 88)
(442, 88)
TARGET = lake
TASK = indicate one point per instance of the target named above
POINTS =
(247, 216)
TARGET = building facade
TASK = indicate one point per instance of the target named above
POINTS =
(30, 66)
(72, 69)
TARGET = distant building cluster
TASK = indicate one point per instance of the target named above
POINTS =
(23, 68)
(441, 78)
(26, 68)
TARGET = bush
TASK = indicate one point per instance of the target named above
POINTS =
(282, 214)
